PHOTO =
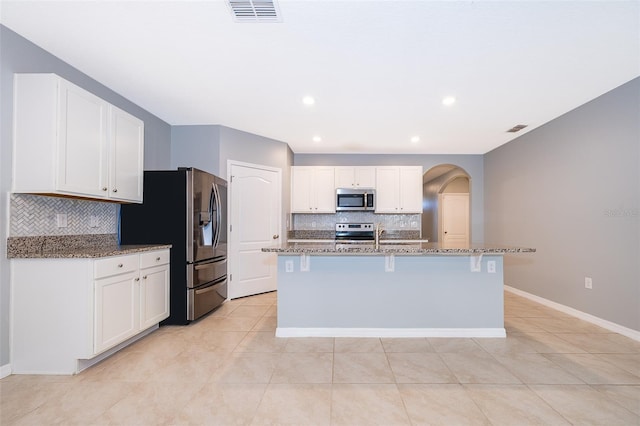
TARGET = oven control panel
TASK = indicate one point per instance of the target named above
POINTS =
(357, 227)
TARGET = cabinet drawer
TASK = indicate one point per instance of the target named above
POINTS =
(115, 265)
(154, 258)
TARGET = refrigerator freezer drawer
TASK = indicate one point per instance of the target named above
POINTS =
(203, 300)
(207, 271)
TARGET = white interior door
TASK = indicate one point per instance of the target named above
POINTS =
(455, 220)
(255, 194)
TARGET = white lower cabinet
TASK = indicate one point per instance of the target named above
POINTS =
(69, 310)
(154, 288)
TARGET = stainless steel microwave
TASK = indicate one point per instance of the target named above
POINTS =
(348, 199)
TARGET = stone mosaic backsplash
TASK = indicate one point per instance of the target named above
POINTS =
(35, 215)
(389, 222)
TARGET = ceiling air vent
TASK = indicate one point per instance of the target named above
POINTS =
(255, 10)
(516, 128)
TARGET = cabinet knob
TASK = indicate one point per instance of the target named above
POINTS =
(115, 190)
(144, 278)
(137, 279)
(157, 259)
(104, 188)
(276, 236)
(120, 265)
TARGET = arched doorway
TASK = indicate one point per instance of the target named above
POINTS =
(446, 214)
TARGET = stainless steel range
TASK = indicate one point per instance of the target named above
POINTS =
(346, 232)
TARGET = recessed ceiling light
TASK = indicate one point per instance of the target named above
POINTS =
(308, 100)
(415, 139)
(317, 139)
(448, 100)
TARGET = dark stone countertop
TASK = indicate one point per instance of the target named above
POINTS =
(390, 247)
(73, 246)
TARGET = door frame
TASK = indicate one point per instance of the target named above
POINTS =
(231, 243)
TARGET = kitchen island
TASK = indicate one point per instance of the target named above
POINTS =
(390, 290)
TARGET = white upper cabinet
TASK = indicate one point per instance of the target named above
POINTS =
(355, 177)
(68, 141)
(127, 156)
(399, 189)
(313, 190)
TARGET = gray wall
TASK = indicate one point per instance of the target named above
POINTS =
(196, 146)
(571, 189)
(472, 164)
(208, 147)
(20, 55)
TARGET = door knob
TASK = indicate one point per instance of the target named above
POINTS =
(275, 237)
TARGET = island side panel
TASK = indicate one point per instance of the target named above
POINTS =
(423, 292)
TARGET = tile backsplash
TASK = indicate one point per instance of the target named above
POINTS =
(35, 215)
(395, 222)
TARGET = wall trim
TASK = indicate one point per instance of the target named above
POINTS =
(611, 326)
(5, 370)
(389, 332)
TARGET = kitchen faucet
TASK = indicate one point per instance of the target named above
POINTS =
(378, 233)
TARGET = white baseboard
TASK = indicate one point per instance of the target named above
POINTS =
(390, 332)
(608, 325)
(5, 370)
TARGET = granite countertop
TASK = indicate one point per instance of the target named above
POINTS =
(73, 246)
(395, 248)
(324, 236)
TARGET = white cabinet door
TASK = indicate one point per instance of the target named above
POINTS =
(344, 177)
(126, 156)
(410, 189)
(154, 295)
(399, 189)
(365, 177)
(355, 177)
(324, 190)
(387, 185)
(81, 142)
(116, 303)
(301, 190)
(154, 287)
(313, 190)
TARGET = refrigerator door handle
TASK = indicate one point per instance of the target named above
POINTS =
(218, 215)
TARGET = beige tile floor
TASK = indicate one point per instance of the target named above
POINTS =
(229, 369)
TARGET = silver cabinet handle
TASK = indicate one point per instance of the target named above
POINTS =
(144, 278)
(120, 265)
(104, 188)
(115, 190)
(137, 279)
(276, 236)
(157, 259)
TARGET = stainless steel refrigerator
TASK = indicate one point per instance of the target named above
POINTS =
(186, 208)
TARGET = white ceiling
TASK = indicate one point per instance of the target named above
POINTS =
(378, 70)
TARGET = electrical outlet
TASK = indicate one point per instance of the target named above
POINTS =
(305, 263)
(491, 266)
(389, 263)
(588, 283)
(94, 222)
(313, 224)
(476, 263)
(288, 266)
(61, 220)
